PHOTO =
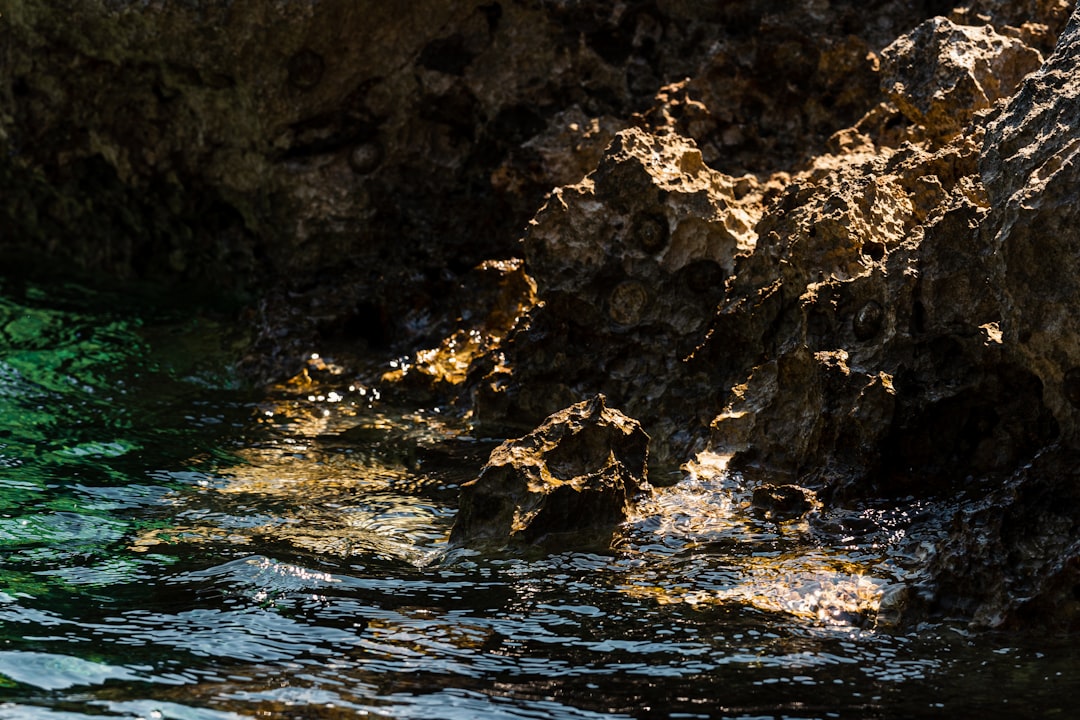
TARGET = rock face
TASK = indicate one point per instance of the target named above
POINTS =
(870, 324)
(1013, 559)
(262, 148)
(941, 73)
(1030, 171)
(570, 481)
(850, 339)
(630, 264)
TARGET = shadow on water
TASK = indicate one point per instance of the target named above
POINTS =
(175, 546)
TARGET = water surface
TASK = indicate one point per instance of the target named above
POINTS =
(177, 546)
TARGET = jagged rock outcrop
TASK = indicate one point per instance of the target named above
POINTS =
(857, 344)
(630, 264)
(941, 73)
(491, 301)
(1030, 171)
(265, 149)
(1013, 559)
(866, 317)
(780, 503)
(570, 481)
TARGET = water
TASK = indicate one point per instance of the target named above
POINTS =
(175, 546)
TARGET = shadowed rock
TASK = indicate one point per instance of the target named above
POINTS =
(783, 502)
(1029, 167)
(569, 481)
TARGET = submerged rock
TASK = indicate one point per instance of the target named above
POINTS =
(570, 481)
(783, 502)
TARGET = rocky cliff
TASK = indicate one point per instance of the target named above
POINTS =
(828, 242)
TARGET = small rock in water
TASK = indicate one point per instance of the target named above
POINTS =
(568, 482)
(783, 502)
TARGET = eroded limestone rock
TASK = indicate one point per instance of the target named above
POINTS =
(885, 308)
(941, 73)
(863, 317)
(1011, 558)
(346, 162)
(630, 264)
(569, 481)
(497, 293)
(1029, 166)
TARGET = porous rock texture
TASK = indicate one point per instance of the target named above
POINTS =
(571, 481)
(630, 263)
(342, 164)
(849, 337)
(1014, 559)
(941, 73)
(829, 242)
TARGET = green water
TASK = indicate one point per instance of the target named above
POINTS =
(174, 546)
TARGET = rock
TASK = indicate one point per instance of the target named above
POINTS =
(568, 482)
(340, 165)
(1012, 559)
(629, 264)
(860, 321)
(783, 502)
(799, 74)
(491, 301)
(834, 268)
(1029, 166)
(940, 74)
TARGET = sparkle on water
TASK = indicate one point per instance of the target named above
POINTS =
(177, 547)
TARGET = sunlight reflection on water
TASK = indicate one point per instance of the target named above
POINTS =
(176, 548)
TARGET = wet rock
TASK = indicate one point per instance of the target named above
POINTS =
(1012, 559)
(490, 302)
(883, 307)
(570, 481)
(783, 502)
(940, 74)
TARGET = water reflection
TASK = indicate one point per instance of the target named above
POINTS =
(175, 548)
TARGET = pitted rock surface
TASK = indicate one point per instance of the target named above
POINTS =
(941, 73)
(569, 482)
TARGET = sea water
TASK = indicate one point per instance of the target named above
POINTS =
(174, 544)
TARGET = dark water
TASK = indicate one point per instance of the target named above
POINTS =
(176, 547)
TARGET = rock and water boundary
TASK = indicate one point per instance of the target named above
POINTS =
(830, 246)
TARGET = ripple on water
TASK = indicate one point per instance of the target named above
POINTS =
(173, 549)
